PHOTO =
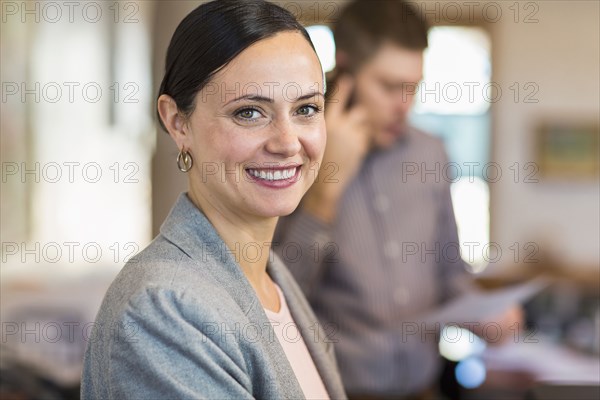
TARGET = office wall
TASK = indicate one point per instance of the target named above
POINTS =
(560, 55)
(167, 180)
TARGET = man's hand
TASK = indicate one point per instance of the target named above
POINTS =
(511, 324)
(348, 141)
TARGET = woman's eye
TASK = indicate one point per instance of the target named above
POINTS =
(248, 113)
(308, 110)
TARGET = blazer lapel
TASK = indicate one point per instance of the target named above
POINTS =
(189, 229)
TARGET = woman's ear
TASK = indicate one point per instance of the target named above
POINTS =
(173, 121)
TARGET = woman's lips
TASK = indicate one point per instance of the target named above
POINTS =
(278, 178)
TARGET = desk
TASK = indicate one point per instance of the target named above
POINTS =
(538, 369)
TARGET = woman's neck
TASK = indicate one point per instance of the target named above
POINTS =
(248, 239)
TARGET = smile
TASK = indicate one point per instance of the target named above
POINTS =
(273, 174)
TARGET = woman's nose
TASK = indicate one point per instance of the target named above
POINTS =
(283, 139)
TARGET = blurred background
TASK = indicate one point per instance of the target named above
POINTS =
(513, 88)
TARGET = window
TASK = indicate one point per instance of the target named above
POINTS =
(453, 103)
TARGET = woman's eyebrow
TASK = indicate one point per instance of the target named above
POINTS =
(264, 99)
(252, 97)
(309, 95)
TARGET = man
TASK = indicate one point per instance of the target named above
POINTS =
(374, 243)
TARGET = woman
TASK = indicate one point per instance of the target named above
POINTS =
(205, 309)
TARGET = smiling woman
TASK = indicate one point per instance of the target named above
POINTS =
(204, 310)
(261, 112)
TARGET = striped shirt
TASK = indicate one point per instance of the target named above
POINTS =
(390, 256)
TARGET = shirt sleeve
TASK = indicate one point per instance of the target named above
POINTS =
(159, 348)
(304, 243)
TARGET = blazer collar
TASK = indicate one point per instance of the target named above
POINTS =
(188, 228)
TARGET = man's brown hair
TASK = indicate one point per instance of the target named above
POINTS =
(364, 25)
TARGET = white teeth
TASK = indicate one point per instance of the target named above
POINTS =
(271, 175)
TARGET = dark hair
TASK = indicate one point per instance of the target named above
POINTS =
(211, 36)
(364, 25)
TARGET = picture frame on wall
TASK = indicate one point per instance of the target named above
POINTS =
(568, 150)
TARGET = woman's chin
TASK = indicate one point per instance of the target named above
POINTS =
(276, 210)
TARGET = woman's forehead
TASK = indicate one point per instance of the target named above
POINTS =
(271, 67)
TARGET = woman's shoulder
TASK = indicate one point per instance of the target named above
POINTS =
(163, 276)
(162, 307)
(162, 264)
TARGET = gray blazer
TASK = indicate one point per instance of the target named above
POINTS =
(182, 321)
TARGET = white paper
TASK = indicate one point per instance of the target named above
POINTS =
(483, 305)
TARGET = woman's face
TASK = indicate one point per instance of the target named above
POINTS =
(257, 133)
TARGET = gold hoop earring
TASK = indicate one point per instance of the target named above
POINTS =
(187, 161)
